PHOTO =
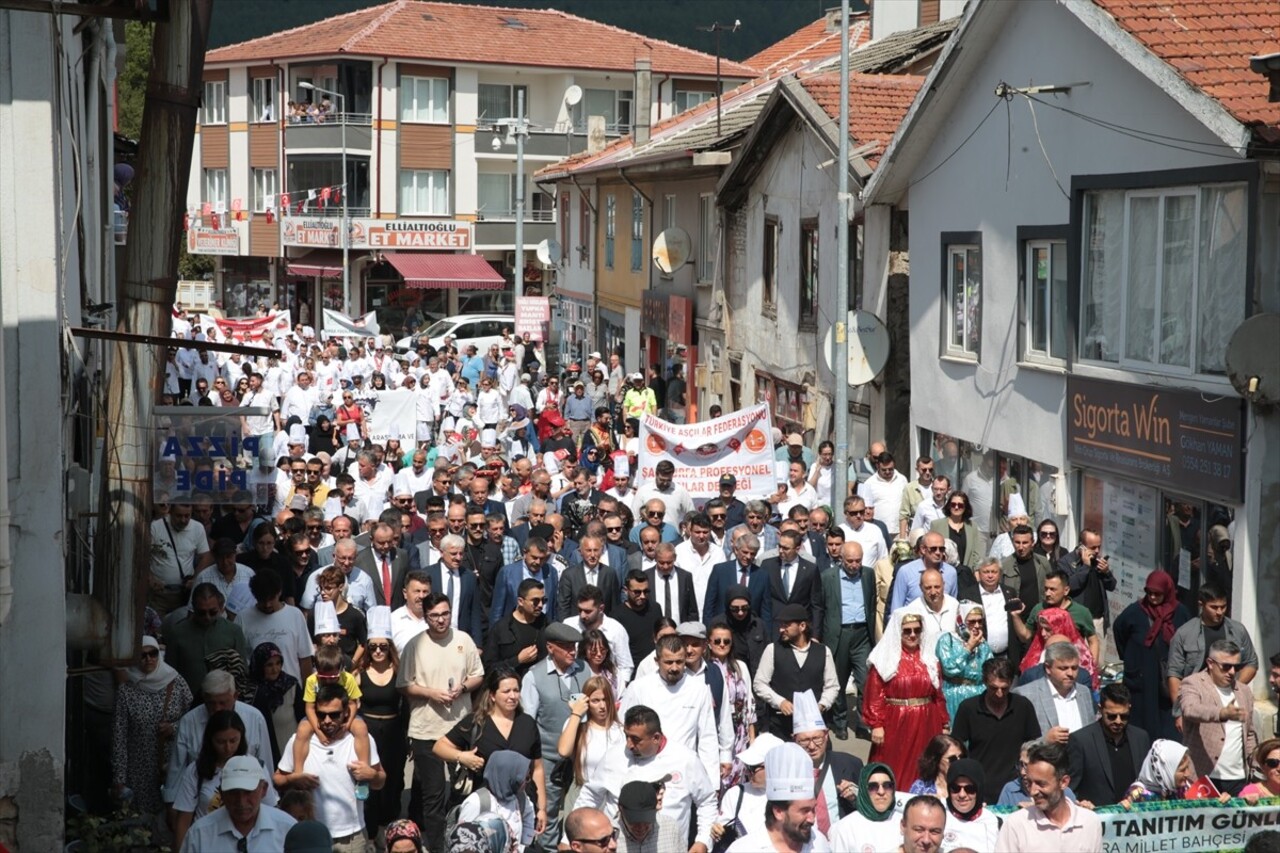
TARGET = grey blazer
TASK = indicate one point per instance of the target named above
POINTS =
(1040, 692)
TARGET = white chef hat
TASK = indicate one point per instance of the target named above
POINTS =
(353, 432)
(297, 434)
(239, 598)
(379, 619)
(621, 465)
(788, 773)
(1016, 507)
(489, 438)
(805, 715)
(326, 618)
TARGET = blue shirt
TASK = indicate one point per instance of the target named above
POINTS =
(906, 586)
(852, 608)
(578, 408)
(1013, 793)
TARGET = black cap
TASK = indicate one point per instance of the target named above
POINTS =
(638, 802)
(792, 613)
(728, 480)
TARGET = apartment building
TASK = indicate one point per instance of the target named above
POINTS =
(411, 97)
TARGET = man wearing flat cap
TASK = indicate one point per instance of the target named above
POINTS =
(792, 664)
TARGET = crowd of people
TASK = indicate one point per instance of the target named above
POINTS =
(551, 655)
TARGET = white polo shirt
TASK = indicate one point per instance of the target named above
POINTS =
(335, 798)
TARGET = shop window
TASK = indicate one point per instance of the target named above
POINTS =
(962, 295)
(808, 273)
(769, 264)
(1164, 279)
(214, 108)
(1044, 301)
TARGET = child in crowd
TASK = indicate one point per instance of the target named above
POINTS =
(331, 668)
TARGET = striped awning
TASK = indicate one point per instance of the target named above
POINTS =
(435, 271)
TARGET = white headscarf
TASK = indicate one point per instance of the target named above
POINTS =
(156, 681)
(1160, 768)
(887, 654)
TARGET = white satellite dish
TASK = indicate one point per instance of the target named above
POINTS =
(671, 250)
(549, 253)
(573, 95)
(868, 347)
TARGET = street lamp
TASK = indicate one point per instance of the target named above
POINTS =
(716, 28)
(346, 267)
(517, 128)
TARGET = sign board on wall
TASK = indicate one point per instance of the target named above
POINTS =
(212, 241)
(1173, 439)
(325, 232)
(532, 315)
(667, 316)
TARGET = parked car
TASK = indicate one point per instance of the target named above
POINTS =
(479, 329)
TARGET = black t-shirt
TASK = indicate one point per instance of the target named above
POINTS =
(1211, 636)
(524, 737)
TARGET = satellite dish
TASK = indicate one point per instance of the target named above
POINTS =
(1251, 359)
(573, 95)
(549, 253)
(868, 347)
(671, 250)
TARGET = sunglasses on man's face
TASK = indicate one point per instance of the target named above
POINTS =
(330, 715)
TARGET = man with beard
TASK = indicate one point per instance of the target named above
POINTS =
(637, 615)
(1052, 822)
(790, 807)
(600, 433)
(793, 664)
(516, 640)
(481, 557)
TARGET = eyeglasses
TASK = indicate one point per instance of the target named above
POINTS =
(314, 527)
(617, 529)
(876, 787)
(479, 526)
(963, 789)
(1271, 763)
(740, 609)
(957, 505)
(599, 842)
(536, 600)
(910, 632)
(807, 742)
(303, 553)
(715, 516)
(936, 549)
(439, 617)
(654, 514)
(1229, 667)
(1122, 715)
(854, 512)
(722, 642)
(379, 647)
(150, 653)
(1048, 534)
(330, 715)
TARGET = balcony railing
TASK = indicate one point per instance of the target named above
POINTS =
(499, 215)
(332, 119)
(334, 211)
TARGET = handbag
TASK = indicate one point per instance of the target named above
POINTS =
(733, 830)
(462, 779)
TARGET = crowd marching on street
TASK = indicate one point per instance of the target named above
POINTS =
(497, 619)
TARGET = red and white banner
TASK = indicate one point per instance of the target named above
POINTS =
(738, 444)
(247, 330)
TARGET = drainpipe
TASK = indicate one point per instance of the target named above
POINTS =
(665, 79)
(377, 146)
(6, 554)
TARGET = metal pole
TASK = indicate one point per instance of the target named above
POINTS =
(840, 478)
(346, 225)
(519, 129)
(719, 85)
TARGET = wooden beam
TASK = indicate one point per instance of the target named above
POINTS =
(156, 340)
(134, 10)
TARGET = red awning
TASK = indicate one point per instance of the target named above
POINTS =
(435, 271)
(326, 263)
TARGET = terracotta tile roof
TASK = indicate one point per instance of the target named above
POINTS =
(492, 35)
(877, 105)
(1209, 44)
(817, 40)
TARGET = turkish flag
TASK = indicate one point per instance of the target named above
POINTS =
(284, 202)
(1202, 789)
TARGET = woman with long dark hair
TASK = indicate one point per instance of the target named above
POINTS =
(382, 708)
(598, 655)
(1049, 541)
(198, 788)
(933, 764)
(957, 525)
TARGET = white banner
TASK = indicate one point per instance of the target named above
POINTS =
(738, 443)
(393, 411)
(337, 324)
(247, 330)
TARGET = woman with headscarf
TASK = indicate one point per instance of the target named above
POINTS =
(962, 655)
(1142, 633)
(969, 825)
(516, 435)
(276, 694)
(750, 636)
(1166, 774)
(403, 836)
(1057, 621)
(876, 825)
(148, 706)
(506, 774)
(903, 695)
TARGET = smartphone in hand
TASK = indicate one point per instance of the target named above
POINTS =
(1013, 605)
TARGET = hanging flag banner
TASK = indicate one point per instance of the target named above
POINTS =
(1162, 826)
(337, 324)
(702, 453)
(247, 330)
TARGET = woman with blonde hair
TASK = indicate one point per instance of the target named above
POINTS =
(592, 736)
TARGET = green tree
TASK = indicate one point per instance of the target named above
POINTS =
(131, 85)
(193, 267)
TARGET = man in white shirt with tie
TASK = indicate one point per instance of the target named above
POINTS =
(671, 588)
(696, 556)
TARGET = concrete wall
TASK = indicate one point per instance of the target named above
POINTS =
(37, 200)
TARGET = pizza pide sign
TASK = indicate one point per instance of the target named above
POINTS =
(737, 443)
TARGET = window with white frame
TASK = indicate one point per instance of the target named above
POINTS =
(497, 101)
(424, 100)
(706, 236)
(214, 108)
(264, 189)
(962, 303)
(637, 232)
(688, 100)
(610, 227)
(215, 189)
(424, 192)
(614, 105)
(264, 100)
(1045, 299)
(1163, 278)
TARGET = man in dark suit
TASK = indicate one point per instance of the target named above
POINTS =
(1107, 755)
(740, 570)
(386, 565)
(849, 590)
(826, 548)
(450, 578)
(587, 570)
(671, 588)
(788, 579)
(479, 497)
(985, 588)
(534, 565)
(643, 559)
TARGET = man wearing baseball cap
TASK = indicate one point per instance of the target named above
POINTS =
(643, 828)
(243, 822)
(638, 400)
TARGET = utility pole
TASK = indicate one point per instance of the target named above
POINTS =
(840, 476)
(146, 293)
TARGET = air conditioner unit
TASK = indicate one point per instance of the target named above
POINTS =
(509, 261)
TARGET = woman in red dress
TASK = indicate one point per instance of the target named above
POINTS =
(903, 703)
